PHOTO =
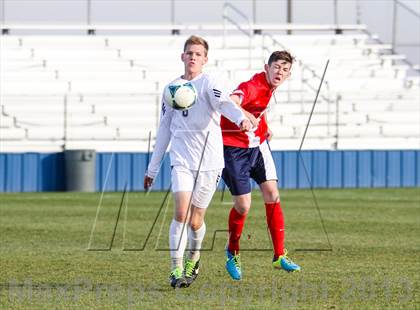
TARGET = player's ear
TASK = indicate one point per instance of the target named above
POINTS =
(182, 57)
(266, 67)
(205, 59)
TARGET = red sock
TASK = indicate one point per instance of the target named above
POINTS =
(275, 222)
(236, 224)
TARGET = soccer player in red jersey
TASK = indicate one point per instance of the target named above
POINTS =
(247, 155)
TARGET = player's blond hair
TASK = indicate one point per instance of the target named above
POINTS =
(196, 40)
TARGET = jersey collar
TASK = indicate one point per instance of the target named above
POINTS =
(261, 79)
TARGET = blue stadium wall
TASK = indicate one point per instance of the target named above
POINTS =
(37, 172)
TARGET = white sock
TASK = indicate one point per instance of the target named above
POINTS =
(195, 238)
(177, 247)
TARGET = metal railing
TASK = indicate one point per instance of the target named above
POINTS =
(305, 69)
(227, 7)
(249, 31)
(398, 4)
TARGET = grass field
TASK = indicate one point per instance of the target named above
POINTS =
(45, 262)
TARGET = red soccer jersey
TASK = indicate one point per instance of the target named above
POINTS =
(256, 94)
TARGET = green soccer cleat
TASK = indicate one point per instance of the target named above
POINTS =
(176, 278)
(285, 263)
(191, 271)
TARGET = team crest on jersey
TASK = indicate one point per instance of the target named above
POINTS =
(217, 92)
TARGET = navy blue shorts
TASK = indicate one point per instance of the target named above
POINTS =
(241, 164)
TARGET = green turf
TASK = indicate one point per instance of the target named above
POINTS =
(374, 262)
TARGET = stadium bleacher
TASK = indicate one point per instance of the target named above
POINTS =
(104, 91)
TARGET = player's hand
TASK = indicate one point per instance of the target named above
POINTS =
(148, 181)
(245, 125)
(269, 134)
(254, 121)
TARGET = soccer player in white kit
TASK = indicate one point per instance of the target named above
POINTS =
(196, 155)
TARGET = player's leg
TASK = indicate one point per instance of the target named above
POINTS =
(264, 173)
(267, 180)
(196, 233)
(182, 182)
(274, 215)
(206, 184)
(237, 216)
(238, 162)
(179, 228)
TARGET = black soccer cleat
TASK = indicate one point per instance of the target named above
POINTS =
(176, 278)
(191, 271)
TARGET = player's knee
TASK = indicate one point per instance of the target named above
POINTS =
(197, 217)
(180, 217)
(242, 209)
(196, 225)
(242, 205)
(196, 222)
(272, 199)
(269, 191)
(271, 196)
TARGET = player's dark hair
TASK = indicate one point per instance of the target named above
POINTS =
(280, 55)
(196, 40)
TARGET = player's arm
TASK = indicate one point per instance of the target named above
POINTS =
(235, 114)
(269, 132)
(237, 98)
(219, 98)
(162, 141)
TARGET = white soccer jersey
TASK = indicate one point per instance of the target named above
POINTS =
(187, 130)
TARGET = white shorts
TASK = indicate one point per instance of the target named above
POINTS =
(183, 181)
